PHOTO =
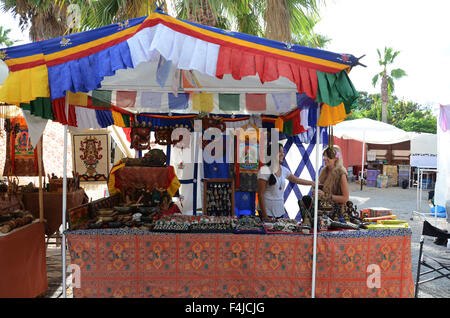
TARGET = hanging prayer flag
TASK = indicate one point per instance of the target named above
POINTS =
(126, 98)
(77, 99)
(203, 102)
(282, 102)
(151, 100)
(291, 125)
(229, 102)
(101, 98)
(180, 102)
(163, 70)
(255, 102)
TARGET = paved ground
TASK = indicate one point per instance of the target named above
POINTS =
(401, 201)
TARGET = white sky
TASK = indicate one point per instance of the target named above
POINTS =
(418, 29)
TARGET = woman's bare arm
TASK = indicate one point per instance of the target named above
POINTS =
(261, 190)
(344, 189)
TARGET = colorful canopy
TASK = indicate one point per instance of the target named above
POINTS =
(150, 64)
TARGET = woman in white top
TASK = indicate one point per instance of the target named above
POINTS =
(271, 183)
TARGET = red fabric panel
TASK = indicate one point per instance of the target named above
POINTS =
(126, 98)
(240, 63)
(58, 107)
(23, 263)
(72, 116)
(297, 128)
(351, 151)
(255, 102)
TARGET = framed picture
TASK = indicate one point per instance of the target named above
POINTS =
(91, 155)
(218, 197)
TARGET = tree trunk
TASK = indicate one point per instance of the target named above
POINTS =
(201, 13)
(277, 21)
(384, 97)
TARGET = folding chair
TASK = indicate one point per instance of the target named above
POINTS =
(437, 265)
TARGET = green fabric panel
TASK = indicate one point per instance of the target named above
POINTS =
(229, 102)
(41, 107)
(101, 98)
(334, 89)
(288, 127)
(126, 120)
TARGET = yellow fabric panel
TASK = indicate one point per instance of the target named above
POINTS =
(330, 116)
(112, 179)
(279, 124)
(77, 99)
(203, 102)
(173, 186)
(25, 85)
(118, 119)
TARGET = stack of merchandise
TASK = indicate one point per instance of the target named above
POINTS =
(391, 172)
(372, 177)
(385, 222)
(403, 174)
(375, 212)
(382, 181)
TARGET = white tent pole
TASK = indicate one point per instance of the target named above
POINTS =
(316, 206)
(362, 159)
(63, 245)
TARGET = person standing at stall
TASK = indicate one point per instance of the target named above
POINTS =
(333, 183)
(271, 183)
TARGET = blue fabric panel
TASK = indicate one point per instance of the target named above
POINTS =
(104, 118)
(87, 73)
(180, 102)
(245, 201)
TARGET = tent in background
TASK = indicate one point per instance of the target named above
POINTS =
(369, 131)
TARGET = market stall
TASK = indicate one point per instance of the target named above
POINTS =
(156, 74)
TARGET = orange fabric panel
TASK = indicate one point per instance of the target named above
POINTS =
(244, 266)
(23, 265)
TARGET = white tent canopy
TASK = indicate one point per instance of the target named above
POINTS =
(370, 131)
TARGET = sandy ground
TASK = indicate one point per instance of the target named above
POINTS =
(402, 202)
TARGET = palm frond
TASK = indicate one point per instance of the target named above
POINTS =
(398, 73)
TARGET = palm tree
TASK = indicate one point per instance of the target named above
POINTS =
(387, 79)
(4, 38)
(295, 18)
(46, 18)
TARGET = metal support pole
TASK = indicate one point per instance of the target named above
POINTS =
(316, 207)
(63, 243)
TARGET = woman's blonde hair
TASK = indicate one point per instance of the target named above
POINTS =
(331, 179)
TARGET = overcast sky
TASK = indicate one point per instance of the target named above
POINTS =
(418, 29)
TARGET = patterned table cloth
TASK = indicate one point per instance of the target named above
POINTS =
(134, 263)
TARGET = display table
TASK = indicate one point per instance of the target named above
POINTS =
(134, 263)
(52, 206)
(122, 177)
(23, 262)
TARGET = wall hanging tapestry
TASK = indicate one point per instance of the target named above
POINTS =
(91, 155)
(21, 157)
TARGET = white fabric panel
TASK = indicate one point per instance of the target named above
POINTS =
(36, 126)
(423, 143)
(141, 42)
(86, 118)
(423, 161)
(442, 187)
